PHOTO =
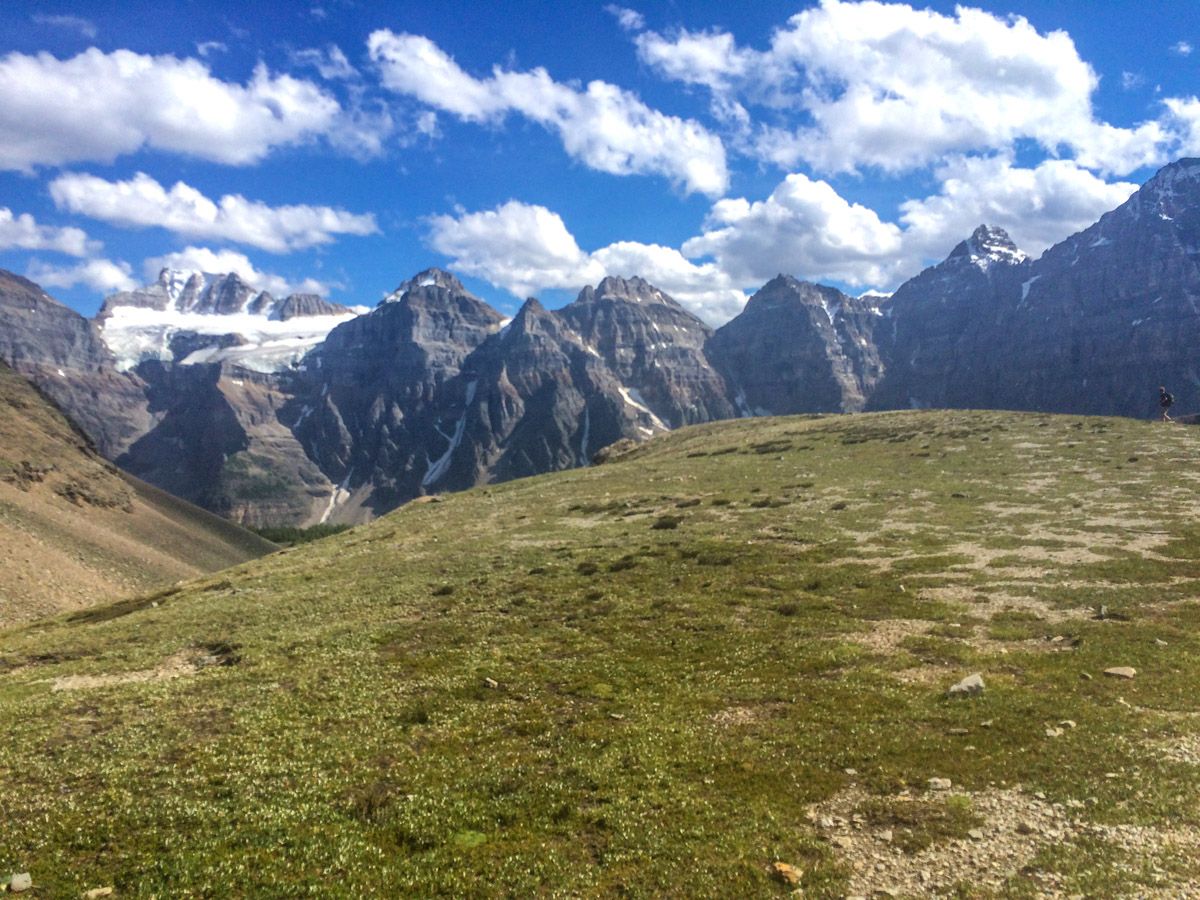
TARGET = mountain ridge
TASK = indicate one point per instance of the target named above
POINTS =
(348, 415)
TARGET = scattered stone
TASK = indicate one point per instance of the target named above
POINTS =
(616, 716)
(886, 835)
(987, 724)
(1066, 723)
(842, 842)
(1054, 732)
(959, 731)
(20, 881)
(786, 873)
(972, 684)
(850, 771)
(1125, 672)
(1085, 676)
(1160, 642)
(96, 893)
(1025, 828)
(940, 784)
(491, 683)
(975, 834)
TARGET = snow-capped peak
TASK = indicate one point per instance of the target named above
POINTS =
(197, 317)
(433, 277)
(987, 246)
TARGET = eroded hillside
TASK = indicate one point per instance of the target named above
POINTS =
(75, 531)
(728, 649)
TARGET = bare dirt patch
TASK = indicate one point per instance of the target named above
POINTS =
(180, 665)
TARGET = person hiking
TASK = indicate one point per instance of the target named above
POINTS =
(1164, 403)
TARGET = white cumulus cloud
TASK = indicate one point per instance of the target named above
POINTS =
(142, 202)
(203, 259)
(520, 247)
(603, 126)
(101, 275)
(804, 228)
(98, 106)
(23, 232)
(885, 85)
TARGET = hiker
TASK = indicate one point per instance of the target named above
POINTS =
(1164, 403)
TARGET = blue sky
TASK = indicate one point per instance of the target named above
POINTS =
(340, 146)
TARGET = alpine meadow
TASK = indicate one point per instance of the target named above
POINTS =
(592, 451)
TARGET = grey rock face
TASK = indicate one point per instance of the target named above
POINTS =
(940, 329)
(654, 347)
(367, 393)
(533, 399)
(296, 305)
(62, 353)
(1093, 326)
(799, 347)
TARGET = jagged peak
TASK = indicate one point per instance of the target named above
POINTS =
(987, 245)
(431, 277)
(1169, 180)
(634, 289)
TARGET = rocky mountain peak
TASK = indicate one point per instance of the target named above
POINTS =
(432, 277)
(1181, 175)
(786, 290)
(987, 245)
(629, 290)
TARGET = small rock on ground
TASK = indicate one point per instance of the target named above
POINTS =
(20, 881)
(1121, 672)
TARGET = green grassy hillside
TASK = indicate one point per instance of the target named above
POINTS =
(727, 649)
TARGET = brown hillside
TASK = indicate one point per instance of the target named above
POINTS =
(74, 530)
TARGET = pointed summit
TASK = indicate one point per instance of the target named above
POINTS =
(988, 244)
(432, 277)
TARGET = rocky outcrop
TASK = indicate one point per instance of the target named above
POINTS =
(797, 348)
(63, 354)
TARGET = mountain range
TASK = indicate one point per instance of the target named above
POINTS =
(299, 411)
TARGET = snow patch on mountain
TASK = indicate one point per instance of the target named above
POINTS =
(135, 334)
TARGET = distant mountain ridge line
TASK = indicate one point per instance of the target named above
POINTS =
(434, 390)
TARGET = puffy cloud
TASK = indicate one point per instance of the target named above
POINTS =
(804, 228)
(98, 106)
(1185, 118)
(1037, 207)
(25, 233)
(523, 248)
(886, 85)
(1182, 48)
(518, 246)
(603, 126)
(142, 202)
(101, 275)
(202, 259)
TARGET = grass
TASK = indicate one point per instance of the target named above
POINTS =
(537, 689)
